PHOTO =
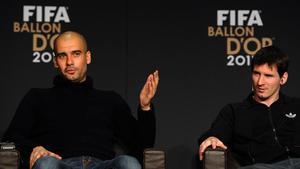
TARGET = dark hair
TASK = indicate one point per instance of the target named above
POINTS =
(271, 55)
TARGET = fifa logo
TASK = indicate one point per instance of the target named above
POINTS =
(44, 23)
(238, 28)
(239, 17)
(45, 14)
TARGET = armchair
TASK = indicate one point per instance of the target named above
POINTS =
(219, 159)
(9, 156)
(153, 158)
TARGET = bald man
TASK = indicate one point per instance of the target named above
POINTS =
(72, 125)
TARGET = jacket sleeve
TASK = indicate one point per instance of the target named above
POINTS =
(147, 126)
(136, 134)
(222, 127)
(22, 124)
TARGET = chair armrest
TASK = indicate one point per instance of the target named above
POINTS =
(215, 158)
(219, 159)
(154, 159)
(9, 156)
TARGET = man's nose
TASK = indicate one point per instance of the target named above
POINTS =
(260, 80)
(69, 60)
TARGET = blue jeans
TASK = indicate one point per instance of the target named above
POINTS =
(292, 163)
(87, 162)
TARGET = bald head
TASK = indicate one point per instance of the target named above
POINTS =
(70, 35)
(71, 56)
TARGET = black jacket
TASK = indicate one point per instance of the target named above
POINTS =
(74, 119)
(256, 133)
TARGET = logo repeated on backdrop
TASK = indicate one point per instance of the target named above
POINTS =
(238, 27)
(44, 23)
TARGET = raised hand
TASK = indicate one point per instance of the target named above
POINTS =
(149, 90)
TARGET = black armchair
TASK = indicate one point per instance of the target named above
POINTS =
(219, 159)
(153, 158)
(9, 156)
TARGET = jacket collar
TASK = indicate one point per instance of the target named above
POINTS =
(60, 81)
(250, 102)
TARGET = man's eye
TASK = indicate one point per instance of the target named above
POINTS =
(60, 56)
(77, 54)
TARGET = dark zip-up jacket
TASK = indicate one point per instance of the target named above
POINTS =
(256, 133)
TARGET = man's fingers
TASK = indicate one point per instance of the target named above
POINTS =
(203, 146)
(153, 80)
(156, 77)
(149, 80)
(151, 85)
(35, 156)
(200, 153)
(211, 141)
(154, 84)
(55, 155)
(32, 157)
(44, 153)
(156, 74)
(213, 145)
(39, 152)
(32, 161)
(150, 77)
(149, 89)
(220, 144)
(202, 149)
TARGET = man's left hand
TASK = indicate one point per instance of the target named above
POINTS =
(149, 90)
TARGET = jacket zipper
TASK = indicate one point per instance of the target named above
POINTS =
(273, 126)
(275, 134)
(250, 155)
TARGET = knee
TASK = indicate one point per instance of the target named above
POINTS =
(46, 162)
(127, 162)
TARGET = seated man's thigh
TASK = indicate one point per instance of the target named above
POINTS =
(123, 162)
(49, 162)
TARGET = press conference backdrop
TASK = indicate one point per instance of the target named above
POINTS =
(202, 50)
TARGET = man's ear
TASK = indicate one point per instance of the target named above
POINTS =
(88, 57)
(54, 62)
(284, 78)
